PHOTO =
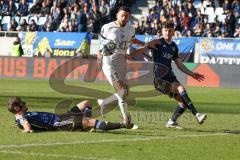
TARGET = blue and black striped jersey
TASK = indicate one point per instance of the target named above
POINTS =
(165, 53)
(39, 120)
(163, 56)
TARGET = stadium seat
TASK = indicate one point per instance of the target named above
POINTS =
(30, 6)
(202, 10)
(6, 19)
(219, 11)
(17, 19)
(17, 5)
(221, 17)
(5, 26)
(209, 11)
(197, 3)
(6, 22)
(25, 17)
(211, 18)
(41, 21)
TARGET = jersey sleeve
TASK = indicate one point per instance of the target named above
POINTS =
(175, 54)
(21, 121)
(102, 36)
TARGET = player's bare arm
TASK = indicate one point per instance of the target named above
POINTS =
(99, 59)
(184, 69)
(27, 127)
(84, 104)
(151, 44)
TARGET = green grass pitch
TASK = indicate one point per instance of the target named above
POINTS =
(217, 139)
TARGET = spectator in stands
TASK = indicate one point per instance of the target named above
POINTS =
(64, 24)
(105, 11)
(13, 25)
(56, 13)
(237, 32)
(22, 26)
(167, 9)
(1, 6)
(36, 8)
(189, 33)
(139, 28)
(227, 5)
(11, 9)
(206, 30)
(33, 26)
(217, 32)
(45, 10)
(199, 18)
(198, 30)
(177, 25)
(158, 7)
(4, 8)
(177, 34)
(151, 16)
(191, 12)
(62, 3)
(184, 20)
(236, 8)
(82, 21)
(22, 8)
(96, 19)
(231, 22)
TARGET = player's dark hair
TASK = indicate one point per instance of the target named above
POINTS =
(124, 8)
(15, 102)
(168, 24)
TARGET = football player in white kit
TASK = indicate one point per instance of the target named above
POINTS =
(115, 42)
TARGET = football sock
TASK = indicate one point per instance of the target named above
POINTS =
(101, 125)
(109, 100)
(112, 98)
(177, 113)
(188, 103)
(123, 108)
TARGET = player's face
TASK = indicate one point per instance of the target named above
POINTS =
(24, 108)
(167, 33)
(122, 18)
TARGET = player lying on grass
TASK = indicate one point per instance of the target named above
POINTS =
(77, 118)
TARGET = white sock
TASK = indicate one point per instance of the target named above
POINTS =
(116, 96)
(123, 108)
(122, 104)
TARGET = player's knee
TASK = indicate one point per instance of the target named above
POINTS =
(180, 88)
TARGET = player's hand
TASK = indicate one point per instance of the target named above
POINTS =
(27, 131)
(152, 44)
(198, 77)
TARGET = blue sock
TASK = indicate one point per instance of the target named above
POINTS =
(187, 101)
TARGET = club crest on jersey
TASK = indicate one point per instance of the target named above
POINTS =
(173, 49)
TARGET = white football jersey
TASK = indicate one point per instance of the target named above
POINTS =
(121, 36)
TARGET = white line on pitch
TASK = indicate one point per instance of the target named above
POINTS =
(48, 155)
(111, 140)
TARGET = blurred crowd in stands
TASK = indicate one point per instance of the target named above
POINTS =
(207, 18)
(57, 15)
